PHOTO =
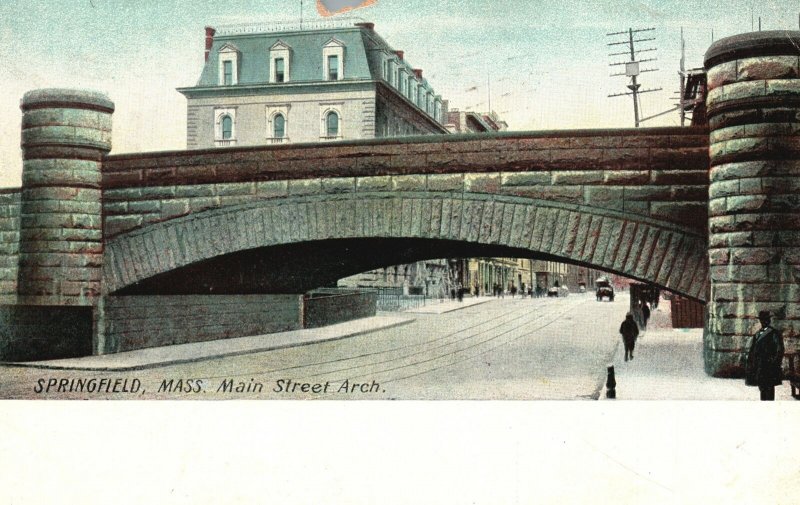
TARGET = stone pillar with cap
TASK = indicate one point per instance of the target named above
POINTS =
(65, 135)
(754, 193)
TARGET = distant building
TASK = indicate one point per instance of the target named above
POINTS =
(324, 81)
(459, 121)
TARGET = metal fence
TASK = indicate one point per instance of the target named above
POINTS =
(393, 300)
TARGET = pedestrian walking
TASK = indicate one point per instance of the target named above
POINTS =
(763, 367)
(513, 291)
(645, 314)
(629, 331)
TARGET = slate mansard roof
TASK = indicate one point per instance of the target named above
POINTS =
(364, 54)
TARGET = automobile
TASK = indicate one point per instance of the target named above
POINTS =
(552, 292)
(604, 289)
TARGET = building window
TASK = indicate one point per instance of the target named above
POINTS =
(277, 131)
(225, 127)
(332, 125)
(280, 62)
(333, 64)
(228, 65)
(333, 68)
(228, 73)
(279, 126)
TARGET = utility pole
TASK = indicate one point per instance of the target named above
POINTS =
(682, 77)
(632, 67)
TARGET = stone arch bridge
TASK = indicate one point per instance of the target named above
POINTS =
(101, 242)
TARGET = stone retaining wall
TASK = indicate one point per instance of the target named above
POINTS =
(135, 322)
(9, 244)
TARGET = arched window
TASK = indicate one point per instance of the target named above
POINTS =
(332, 124)
(279, 126)
(227, 127)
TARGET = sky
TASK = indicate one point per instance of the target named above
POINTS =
(540, 65)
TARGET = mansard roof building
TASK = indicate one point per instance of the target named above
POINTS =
(340, 80)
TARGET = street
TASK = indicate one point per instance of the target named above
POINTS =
(511, 348)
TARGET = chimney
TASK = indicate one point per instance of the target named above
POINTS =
(368, 26)
(418, 73)
(209, 40)
(399, 54)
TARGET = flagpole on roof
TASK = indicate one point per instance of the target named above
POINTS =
(301, 14)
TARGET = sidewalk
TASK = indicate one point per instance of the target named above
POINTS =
(668, 365)
(197, 351)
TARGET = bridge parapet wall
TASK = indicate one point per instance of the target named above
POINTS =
(658, 173)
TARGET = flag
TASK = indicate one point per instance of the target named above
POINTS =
(332, 7)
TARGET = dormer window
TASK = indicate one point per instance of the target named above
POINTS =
(333, 61)
(280, 62)
(279, 70)
(333, 68)
(228, 65)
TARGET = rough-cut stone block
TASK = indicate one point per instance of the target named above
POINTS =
(517, 227)
(305, 187)
(338, 185)
(783, 88)
(447, 207)
(592, 236)
(491, 223)
(425, 207)
(408, 182)
(235, 189)
(482, 183)
(527, 231)
(571, 234)
(767, 67)
(445, 182)
(684, 177)
(603, 242)
(735, 91)
(576, 177)
(508, 216)
(542, 217)
(604, 197)
(436, 218)
(376, 183)
(525, 178)
(115, 225)
(722, 74)
(272, 189)
(625, 177)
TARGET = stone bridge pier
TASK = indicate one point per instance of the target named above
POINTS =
(65, 135)
(754, 194)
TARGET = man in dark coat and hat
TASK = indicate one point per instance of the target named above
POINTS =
(764, 361)
(629, 330)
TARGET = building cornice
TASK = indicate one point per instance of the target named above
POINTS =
(275, 88)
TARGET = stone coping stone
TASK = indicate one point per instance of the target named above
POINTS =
(66, 98)
(744, 45)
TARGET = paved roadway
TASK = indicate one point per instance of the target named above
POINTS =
(504, 349)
